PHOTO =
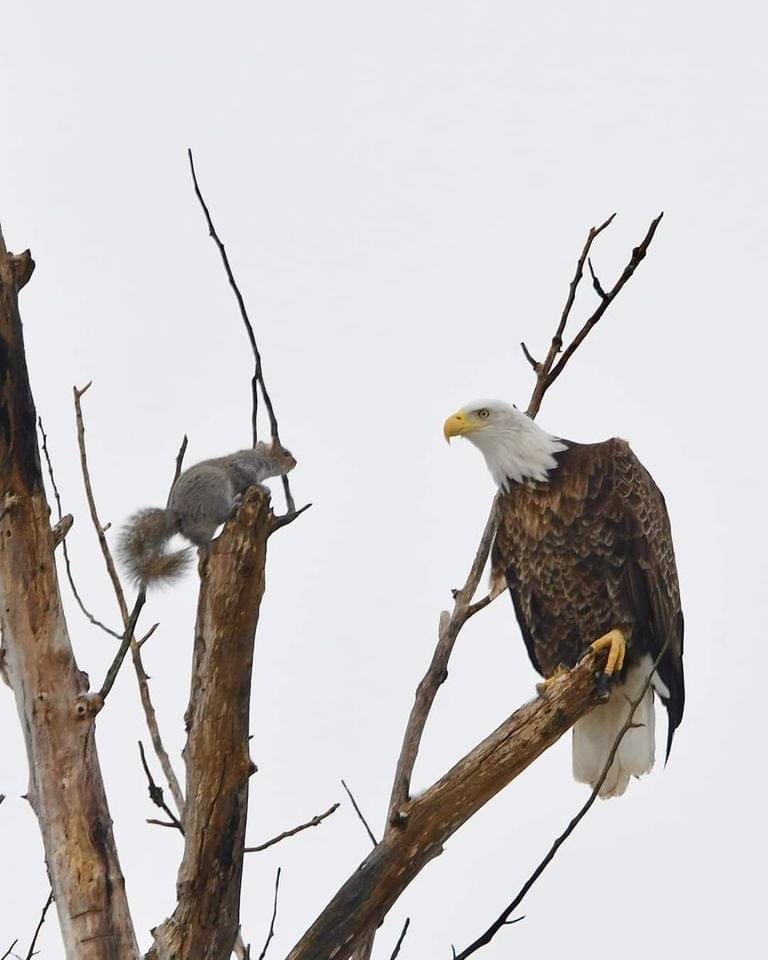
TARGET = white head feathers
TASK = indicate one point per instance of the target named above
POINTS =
(514, 447)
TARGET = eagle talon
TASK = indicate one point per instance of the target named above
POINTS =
(616, 643)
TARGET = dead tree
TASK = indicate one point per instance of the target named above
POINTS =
(58, 712)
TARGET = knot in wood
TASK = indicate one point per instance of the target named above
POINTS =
(88, 705)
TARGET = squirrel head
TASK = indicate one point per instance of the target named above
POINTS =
(279, 460)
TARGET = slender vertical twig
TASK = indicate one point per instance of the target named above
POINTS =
(271, 932)
(257, 382)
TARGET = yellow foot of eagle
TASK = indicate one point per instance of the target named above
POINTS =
(544, 685)
(616, 643)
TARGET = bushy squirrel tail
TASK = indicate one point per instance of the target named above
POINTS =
(141, 547)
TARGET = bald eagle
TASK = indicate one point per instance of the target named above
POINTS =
(584, 546)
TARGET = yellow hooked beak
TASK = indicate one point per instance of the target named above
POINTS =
(457, 425)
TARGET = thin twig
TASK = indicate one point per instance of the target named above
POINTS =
(41, 921)
(172, 824)
(598, 287)
(503, 918)
(147, 635)
(314, 822)
(156, 793)
(257, 381)
(128, 639)
(274, 916)
(141, 675)
(179, 460)
(9, 950)
(359, 812)
(67, 563)
(284, 519)
(400, 939)
(531, 359)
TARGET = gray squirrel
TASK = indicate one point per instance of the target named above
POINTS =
(201, 500)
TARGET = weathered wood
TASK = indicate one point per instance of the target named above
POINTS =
(205, 922)
(426, 822)
(65, 786)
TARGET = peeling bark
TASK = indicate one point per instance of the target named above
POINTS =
(65, 787)
(205, 922)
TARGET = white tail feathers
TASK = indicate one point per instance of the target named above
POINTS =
(595, 735)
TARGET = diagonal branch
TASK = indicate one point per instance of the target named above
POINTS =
(503, 918)
(638, 255)
(400, 939)
(437, 672)
(359, 812)
(138, 664)
(156, 793)
(128, 639)
(39, 927)
(67, 563)
(314, 822)
(426, 822)
(257, 381)
(548, 371)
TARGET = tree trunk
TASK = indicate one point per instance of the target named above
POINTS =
(206, 919)
(65, 787)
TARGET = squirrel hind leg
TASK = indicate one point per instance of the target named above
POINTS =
(200, 530)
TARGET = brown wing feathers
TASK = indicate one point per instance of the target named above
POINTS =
(588, 551)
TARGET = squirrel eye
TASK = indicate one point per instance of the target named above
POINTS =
(484, 413)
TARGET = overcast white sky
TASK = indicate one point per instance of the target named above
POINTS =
(403, 188)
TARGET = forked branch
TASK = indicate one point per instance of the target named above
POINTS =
(551, 368)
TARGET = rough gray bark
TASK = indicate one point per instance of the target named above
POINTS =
(65, 787)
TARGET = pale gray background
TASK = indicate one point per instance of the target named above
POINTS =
(404, 188)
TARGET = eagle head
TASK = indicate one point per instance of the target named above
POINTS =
(514, 447)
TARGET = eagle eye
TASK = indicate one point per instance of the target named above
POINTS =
(484, 413)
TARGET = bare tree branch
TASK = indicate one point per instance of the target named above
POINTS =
(41, 921)
(400, 939)
(437, 672)
(314, 822)
(67, 563)
(274, 917)
(179, 460)
(427, 821)
(156, 794)
(503, 918)
(128, 639)
(138, 665)
(359, 813)
(258, 376)
(549, 371)
(9, 951)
